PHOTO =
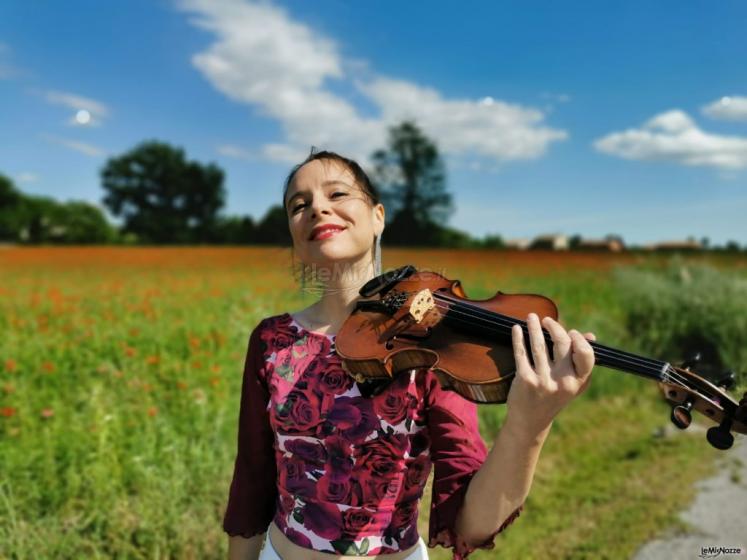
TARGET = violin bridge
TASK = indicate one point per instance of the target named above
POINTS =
(423, 309)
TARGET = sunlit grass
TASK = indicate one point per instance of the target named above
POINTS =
(120, 372)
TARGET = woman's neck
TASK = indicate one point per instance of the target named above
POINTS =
(338, 300)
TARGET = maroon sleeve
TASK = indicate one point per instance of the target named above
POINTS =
(251, 499)
(457, 452)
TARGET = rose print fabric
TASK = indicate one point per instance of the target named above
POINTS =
(340, 472)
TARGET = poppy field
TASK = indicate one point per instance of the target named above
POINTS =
(120, 377)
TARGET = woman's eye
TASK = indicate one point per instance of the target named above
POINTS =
(298, 207)
(338, 192)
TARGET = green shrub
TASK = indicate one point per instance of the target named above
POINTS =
(687, 307)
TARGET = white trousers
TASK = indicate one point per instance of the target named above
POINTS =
(269, 553)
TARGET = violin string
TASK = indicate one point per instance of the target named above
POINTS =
(649, 372)
(505, 320)
(652, 367)
(653, 371)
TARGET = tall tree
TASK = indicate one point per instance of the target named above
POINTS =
(10, 203)
(162, 197)
(412, 179)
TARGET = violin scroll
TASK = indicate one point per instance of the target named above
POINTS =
(688, 391)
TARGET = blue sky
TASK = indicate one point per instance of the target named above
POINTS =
(574, 117)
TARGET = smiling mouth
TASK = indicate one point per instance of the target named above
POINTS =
(326, 234)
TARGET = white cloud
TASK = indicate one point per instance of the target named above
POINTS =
(728, 108)
(82, 147)
(673, 136)
(96, 110)
(487, 127)
(263, 58)
(237, 152)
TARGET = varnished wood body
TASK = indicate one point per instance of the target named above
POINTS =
(479, 368)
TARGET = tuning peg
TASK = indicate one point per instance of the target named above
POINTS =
(720, 436)
(681, 416)
(727, 381)
(691, 360)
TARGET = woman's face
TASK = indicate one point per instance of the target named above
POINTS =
(324, 193)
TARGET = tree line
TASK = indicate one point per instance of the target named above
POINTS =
(163, 198)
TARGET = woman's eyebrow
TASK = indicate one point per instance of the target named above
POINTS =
(335, 182)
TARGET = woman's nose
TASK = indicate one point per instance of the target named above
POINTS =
(319, 206)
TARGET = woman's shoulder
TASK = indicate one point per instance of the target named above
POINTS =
(273, 322)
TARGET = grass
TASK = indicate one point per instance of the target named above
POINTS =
(120, 372)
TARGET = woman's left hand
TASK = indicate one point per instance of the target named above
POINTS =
(538, 393)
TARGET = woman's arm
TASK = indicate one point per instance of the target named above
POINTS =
(253, 490)
(240, 548)
(537, 395)
(501, 485)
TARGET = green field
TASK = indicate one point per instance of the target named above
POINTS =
(120, 373)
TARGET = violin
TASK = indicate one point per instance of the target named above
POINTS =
(413, 319)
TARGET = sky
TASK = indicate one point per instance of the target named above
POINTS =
(591, 118)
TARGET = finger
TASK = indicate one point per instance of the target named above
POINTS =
(539, 348)
(520, 350)
(582, 354)
(561, 342)
(590, 336)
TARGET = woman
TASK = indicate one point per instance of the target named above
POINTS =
(324, 471)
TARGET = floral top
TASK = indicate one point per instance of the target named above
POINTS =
(340, 472)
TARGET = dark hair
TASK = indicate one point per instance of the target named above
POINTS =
(360, 176)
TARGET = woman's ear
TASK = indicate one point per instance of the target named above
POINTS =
(379, 218)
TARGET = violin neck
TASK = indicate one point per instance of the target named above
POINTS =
(490, 324)
(628, 362)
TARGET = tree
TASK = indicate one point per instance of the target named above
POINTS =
(39, 217)
(162, 197)
(235, 230)
(83, 223)
(731, 246)
(273, 228)
(412, 179)
(493, 241)
(10, 202)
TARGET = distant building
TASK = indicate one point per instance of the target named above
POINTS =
(518, 243)
(614, 245)
(553, 242)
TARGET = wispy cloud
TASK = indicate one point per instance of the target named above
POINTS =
(88, 112)
(674, 137)
(81, 147)
(237, 152)
(556, 97)
(262, 57)
(728, 108)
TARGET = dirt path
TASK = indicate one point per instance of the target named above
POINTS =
(718, 514)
